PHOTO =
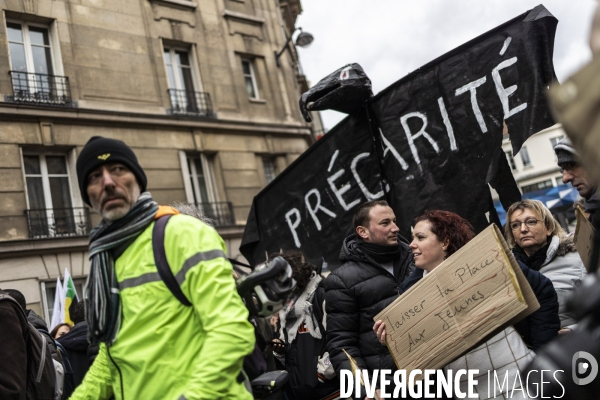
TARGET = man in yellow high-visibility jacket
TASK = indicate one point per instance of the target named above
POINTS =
(151, 345)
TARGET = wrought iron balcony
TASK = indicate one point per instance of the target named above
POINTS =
(186, 102)
(52, 90)
(58, 222)
(221, 213)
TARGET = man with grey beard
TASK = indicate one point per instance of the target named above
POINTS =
(154, 345)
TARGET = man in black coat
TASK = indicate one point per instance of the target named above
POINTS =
(76, 344)
(572, 171)
(32, 317)
(376, 261)
(13, 348)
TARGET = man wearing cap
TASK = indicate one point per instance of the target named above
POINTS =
(572, 171)
(151, 345)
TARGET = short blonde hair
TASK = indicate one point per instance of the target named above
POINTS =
(540, 209)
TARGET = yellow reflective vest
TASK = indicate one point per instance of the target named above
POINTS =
(165, 350)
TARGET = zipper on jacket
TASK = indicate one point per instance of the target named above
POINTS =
(118, 369)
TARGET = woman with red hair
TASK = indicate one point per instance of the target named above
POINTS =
(437, 235)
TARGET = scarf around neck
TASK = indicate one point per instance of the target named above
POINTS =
(380, 253)
(536, 260)
(103, 308)
(300, 309)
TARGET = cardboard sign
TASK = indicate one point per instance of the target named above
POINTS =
(470, 295)
(584, 237)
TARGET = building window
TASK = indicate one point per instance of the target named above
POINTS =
(559, 181)
(51, 212)
(511, 160)
(249, 79)
(29, 48)
(179, 70)
(525, 156)
(184, 89)
(537, 186)
(200, 187)
(33, 66)
(202, 178)
(269, 168)
(554, 141)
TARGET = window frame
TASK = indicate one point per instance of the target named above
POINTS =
(252, 77)
(511, 160)
(77, 205)
(273, 167)
(192, 191)
(28, 47)
(194, 70)
(536, 184)
(55, 52)
(525, 158)
(45, 176)
(184, 100)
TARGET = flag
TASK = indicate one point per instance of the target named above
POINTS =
(432, 140)
(58, 310)
(70, 297)
(354, 367)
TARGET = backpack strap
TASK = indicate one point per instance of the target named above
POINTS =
(234, 264)
(160, 259)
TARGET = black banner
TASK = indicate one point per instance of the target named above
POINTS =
(429, 141)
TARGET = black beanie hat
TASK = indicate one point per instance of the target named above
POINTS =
(565, 152)
(98, 151)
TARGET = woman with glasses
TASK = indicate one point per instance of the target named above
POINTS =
(538, 241)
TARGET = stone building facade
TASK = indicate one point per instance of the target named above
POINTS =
(191, 85)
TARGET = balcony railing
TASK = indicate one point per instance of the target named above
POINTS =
(58, 222)
(185, 102)
(221, 213)
(52, 90)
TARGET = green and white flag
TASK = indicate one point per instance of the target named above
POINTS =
(70, 298)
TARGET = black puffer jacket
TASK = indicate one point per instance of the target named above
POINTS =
(14, 333)
(76, 344)
(543, 325)
(354, 294)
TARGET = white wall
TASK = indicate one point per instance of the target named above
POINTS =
(541, 154)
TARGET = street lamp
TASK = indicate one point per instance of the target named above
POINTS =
(302, 40)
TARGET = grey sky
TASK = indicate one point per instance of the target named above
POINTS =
(390, 38)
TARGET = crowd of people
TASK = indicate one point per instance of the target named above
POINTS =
(166, 322)
(134, 330)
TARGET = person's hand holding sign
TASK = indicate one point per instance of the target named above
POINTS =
(379, 329)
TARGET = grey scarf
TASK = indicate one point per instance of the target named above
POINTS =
(300, 310)
(103, 308)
